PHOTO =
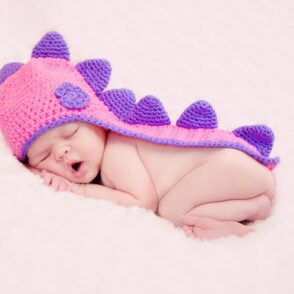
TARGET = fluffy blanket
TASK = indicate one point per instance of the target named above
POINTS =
(236, 54)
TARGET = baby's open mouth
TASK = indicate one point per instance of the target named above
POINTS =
(77, 169)
(76, 166)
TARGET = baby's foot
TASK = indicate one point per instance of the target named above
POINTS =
(208, 228)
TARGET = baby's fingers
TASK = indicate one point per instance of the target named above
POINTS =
(63, 187)
(188, 230)
(47, 177)
(57, 183)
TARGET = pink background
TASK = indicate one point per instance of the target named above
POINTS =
(238, 55)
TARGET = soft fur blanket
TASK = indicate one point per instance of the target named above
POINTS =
(236, 54)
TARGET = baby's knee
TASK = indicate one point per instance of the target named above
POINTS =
(261, 208)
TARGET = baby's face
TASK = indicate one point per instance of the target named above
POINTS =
(74, 151)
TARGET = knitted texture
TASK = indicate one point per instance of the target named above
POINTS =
(198, 115)
(260, 136)
(49, 91)
(96, 72)
(119, 101)
(72, 97)
(8, 70)
(148, 111)
(51, 46)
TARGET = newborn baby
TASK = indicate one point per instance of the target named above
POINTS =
(207, 191)
(56, 117)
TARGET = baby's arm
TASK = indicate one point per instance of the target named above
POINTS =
(124, 169)
(106, 193)
(59, 183)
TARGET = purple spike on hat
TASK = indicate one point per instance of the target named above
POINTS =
(8, 70)
(261, 136)
(119, 101)
(51, 45)
(96, 72)
(199, 115)
(149, 111)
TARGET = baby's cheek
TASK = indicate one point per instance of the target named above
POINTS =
(54, 168)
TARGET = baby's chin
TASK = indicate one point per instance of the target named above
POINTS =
(88, 178)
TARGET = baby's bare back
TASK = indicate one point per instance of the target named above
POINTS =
(167, 166)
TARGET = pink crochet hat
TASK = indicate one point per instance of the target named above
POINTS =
(49, 91)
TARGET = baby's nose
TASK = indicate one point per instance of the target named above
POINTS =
(61, 151)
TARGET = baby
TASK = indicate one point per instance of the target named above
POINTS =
(56, 117)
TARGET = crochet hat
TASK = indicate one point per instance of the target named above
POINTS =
(49, 91)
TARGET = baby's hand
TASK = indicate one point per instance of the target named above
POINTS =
(60, 184)
(34, 170)
(56, 182)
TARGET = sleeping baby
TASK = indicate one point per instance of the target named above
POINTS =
(59, 121)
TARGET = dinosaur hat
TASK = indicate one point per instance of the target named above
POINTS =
(49, 91)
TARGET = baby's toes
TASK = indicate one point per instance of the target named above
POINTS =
(188, 230)
(207, 234)
(202, 222)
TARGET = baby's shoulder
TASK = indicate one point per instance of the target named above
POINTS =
(120, 155)
(118, 148)
(117, 141)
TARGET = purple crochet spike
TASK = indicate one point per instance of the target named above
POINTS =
(96, 73)
(149, 111)
(261, 136)
(8, 70)
(119, 101)
(51, 45)
(199, 115)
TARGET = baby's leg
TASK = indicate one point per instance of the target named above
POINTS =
(234, 210)
(218, 219)
(230, 187)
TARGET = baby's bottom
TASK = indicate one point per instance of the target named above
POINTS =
(211, 200)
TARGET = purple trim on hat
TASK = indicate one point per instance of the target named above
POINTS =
(96, 73)
(8, 70)
(149, 111)
(225, 144)
(72, 97)
(260, 136)
(119, 101)
(51, 45)
(199, 115)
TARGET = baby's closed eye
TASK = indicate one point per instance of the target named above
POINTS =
(70, 132)
(44, 157)
(36, 160)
